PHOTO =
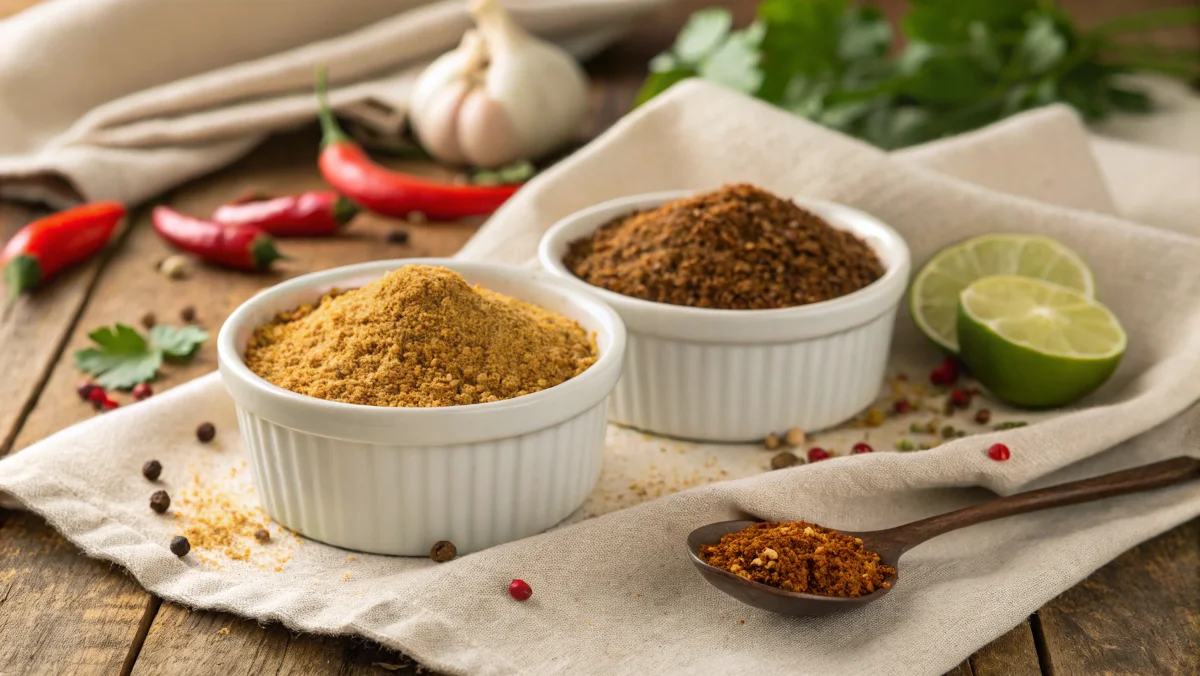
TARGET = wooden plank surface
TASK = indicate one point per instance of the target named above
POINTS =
(63, 613)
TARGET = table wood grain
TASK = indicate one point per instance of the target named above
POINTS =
(61, 612)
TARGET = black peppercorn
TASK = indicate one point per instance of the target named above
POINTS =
(442, 551)
(152, 470)
(188, 314)
(205, 432)
(160, 501)
(262, 535)
(398, 236)
(149, 320)
(180, 546)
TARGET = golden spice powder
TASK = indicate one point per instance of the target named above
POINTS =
(421, 336)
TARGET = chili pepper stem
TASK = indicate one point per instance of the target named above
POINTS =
(331, 132)
(22, 273)
(264, 252)
(344, 210)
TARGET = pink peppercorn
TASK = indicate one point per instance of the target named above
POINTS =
(142, 391)
(998, 452)
(97, 396)
(520, 590)
(816, 453)
(108, 405)
(901, 406)
(961, 398)
(861, 447)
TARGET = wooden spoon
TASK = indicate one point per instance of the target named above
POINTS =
(892, 543)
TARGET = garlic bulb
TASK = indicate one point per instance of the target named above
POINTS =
(501, 96)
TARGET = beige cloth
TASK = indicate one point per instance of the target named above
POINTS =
(123, 99)
(616, 594)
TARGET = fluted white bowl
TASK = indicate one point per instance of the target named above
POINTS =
(738, 375)
(396, 480)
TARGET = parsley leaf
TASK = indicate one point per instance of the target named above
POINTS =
(963, 63)
(124, 358)
(179, 343)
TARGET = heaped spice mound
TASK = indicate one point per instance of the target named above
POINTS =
(737, 248)
(420, 336)
(800, 557)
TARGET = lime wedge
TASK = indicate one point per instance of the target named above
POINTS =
(1036, 344)
(933, 298)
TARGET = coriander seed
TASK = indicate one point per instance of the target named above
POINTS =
(794, 437)
(874, 417)
(205, 432)
(443, 551)
(904, 445)
(948, 432)
(771, 442)
(916, 428)
(180, 546)
(160, 501)
(152, 470)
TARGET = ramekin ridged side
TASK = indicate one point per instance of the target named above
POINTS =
(474, 495)
(712, 391)
(397, 480)
(739, 375)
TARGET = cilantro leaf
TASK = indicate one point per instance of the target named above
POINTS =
(179, 343)
(735, 63)
(124, 358)
(702, 34)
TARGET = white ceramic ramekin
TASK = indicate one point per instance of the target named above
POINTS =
(397, 480)
(738, 375)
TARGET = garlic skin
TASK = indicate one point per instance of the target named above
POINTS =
(501, 96)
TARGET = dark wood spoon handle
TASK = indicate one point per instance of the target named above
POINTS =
(1176, 470)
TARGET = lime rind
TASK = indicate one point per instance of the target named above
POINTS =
(933, 299)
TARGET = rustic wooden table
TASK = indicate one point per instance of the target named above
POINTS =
(61, 612)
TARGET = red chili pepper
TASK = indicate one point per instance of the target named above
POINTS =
(240, 247)
(352, 173)
(45, 247)
(311, 214)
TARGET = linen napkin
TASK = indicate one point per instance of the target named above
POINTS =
(142, 95)
(616, 594)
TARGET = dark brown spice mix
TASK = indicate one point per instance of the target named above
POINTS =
(800, 557)
(736, 248)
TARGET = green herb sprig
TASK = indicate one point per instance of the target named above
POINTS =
(965, 63)
(123, 358)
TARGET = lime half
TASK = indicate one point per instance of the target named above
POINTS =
(934, 294)
(1036, 344)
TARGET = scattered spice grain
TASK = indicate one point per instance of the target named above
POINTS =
(152, 470)
(736, 248)
(149, 320)
(142, 391)
(443, 551)
(520, 590)
(160, 502)
(205, 432)
(398, 236)
(771, 442)
(420, 336)
(188, 314)
(262, 535)
(904, 445)
(800, 557)
(180, 546)
(983, 416)
(794, 437)
(875, 417)
(784, 460)
(84, 389)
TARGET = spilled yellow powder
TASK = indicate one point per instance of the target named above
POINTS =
(420, 336)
